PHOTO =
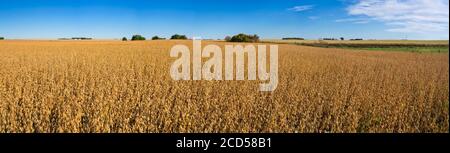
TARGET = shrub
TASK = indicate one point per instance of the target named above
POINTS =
(177, 36)
(137, 37)
(244, 38)
(124, 39)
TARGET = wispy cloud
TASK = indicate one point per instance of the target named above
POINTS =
(301, 8)
(411, 16)
(355, 20)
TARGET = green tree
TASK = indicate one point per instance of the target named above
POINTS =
(124, 39)
(137, 37)
(2, 38)
(177, 36)
(155, 38)
(244, 38)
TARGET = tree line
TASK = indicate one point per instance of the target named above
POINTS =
(236, 38)
(140, 37)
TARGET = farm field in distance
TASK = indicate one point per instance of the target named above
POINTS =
(420, 46)
(115, 86)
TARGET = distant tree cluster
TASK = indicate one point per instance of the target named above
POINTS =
(293, 38)
(177, 36)
(137, 37)
(76, 38)
(81, 38)
(329, 39)
(2, 38)
(357, 39)
(341, 38)
(157, 38)
(140, 37)
(243, 38)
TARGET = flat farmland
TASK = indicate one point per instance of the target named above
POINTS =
(115, 86)
(417, 46)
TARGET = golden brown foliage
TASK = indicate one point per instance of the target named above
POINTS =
(113, 86)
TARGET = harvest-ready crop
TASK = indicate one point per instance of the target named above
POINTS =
(115, 86)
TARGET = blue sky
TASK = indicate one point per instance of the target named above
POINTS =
(311, 19)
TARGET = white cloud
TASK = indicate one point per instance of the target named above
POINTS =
(301, 8)
(414, 16)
